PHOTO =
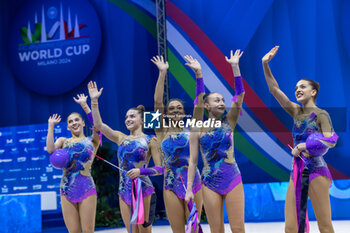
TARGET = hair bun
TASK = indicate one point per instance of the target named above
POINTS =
(317, 86)
(141, 108)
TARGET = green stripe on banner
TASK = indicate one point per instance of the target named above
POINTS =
(188, 84)
(258, 159)
(181, 75)
(142, 18)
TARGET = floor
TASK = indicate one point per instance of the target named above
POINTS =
(268, 227)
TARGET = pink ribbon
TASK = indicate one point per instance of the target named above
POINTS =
(137, 209)
(298, 167)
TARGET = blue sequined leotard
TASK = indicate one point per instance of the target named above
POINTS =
(220, 172)
(132, 153)
(317, 166)
(77, 183)
(176, 150)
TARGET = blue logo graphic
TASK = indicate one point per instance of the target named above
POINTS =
(151, 120)
(54, 45)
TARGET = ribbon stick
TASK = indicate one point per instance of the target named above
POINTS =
(300, 179)
(192, 222)
(109, 163)
(290, 147)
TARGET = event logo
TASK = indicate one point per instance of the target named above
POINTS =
(5, 160)
(42, 157)
(28, 178)
(54, 45)
(30, 149)
(5, 134)
(57, 177)
(53, 186)
(34, 169)
(20, 188)
(49, 168)
(43, 178)
(23, 132)
(21, 159)
(15, 170)
(4, 189)
(10, 179)
(26, 140)
(9, 142)
(58, 129)
(37, 187)
(14, 151)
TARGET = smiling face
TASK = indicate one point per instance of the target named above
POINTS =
(175, 110)
(215, 104)
(305, 92)
(75, 124)
(133, 120)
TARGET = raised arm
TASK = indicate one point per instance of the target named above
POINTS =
(237, 100)
(198, 110)
(194, 146)
(159, 91)
(290, 107)
(81, 100)
(113, 135)
(51, 145)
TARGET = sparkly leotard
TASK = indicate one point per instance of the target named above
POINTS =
(77, 183)
(220, 173)
(301, 130)
(132, 153)
(176, 150)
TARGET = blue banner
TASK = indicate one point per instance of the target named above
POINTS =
(25, 165)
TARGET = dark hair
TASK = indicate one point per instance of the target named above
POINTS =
(172, 100)
(140, 109)
(75, 113)
(315, 86)
(206, 96)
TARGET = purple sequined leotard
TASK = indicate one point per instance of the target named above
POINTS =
(77, 183)
(316, 165)
(220, 172)
(176, 150)
(132, 153)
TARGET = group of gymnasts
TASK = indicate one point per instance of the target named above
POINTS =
(175, 153)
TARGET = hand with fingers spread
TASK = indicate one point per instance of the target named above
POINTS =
(160, 63)
(234, 58)
(270, 54)
(94, 93)
(54, 119)
(81, 100)
(133, 173)
(193, 63)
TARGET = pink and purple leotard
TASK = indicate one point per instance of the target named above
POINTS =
(220, 172)
(133, 153)
(176, 150)
(77, 183)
